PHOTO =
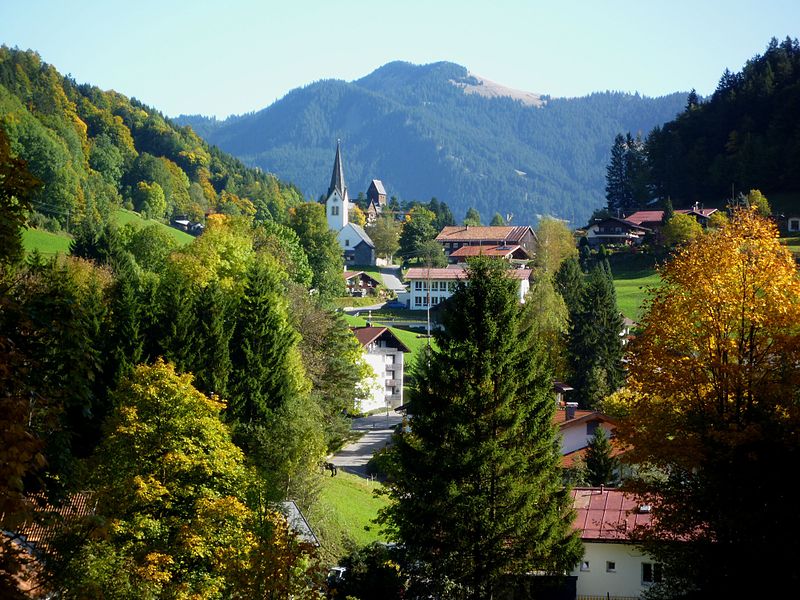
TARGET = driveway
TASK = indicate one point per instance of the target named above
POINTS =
(391, 279)
(378, 431)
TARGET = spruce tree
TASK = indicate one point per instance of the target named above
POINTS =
(569, 282)
(213, 336)
(477, 493)
(616, 177)
(595, 346)
(601, 467)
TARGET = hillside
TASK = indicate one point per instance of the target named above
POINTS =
(438, 131)
(746, 136)
(96, 151)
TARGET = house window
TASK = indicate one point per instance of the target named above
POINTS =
(418, 286)
(417, 300)
(334, 210)
(651, 573)
(794, 224)
(434, 286)
(435, 300)
(591, 427)
(584, 565)
(390, 359)
(611, 566)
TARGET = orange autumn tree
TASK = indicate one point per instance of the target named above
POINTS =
(715, 415)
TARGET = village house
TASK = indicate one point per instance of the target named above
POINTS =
(612, 566)
(653, 219)
(612, 230)
(577, 429)
(455, 236)
(384, 353)
(512, 254)
(359, 284)
(431, 286)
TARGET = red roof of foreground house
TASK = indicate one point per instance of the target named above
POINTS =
(607, 514)
(474, 233)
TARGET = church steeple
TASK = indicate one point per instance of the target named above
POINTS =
(337, 204)
(337, 178)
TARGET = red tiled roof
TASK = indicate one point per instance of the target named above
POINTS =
(455, 273)
(655, 216)
(494, 250)
(349, 274)
(470, 233)
(75, 506)
(606, 514)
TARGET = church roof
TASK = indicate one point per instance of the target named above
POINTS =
(378, 184)
(361, 233)
(337, 178)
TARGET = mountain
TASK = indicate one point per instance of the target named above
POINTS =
(439, 131)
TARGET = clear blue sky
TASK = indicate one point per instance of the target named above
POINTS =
(230, 57)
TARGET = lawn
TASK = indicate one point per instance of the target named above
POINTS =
(344, 513)
(123, 217)
(633, 274)
(48, 244)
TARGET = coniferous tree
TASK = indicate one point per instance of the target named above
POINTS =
(601, 467)
(595, 346)
(213, 334)
(569, 282)
(616, 178)
(473, 217)
(481, 441)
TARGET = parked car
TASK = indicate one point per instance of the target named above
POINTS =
(395, 304)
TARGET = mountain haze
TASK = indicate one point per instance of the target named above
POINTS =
(438, 131)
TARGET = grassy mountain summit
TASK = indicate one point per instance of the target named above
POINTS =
(437, 130)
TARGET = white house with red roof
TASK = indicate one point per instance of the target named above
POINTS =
(384, 353)
(432, 286)
(612, 566)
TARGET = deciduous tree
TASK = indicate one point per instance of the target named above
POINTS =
(716, 374)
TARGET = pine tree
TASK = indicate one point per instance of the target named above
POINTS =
(595, 346)
(601, 467)
(477, 494)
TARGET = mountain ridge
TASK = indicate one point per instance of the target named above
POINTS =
(419, 130)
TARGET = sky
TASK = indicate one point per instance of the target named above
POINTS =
(219, 58)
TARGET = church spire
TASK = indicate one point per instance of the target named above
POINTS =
(337, 178)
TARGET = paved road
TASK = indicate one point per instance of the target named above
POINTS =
(391, 279)
(378, 431)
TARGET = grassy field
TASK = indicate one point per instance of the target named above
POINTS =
(344, 512)
(48, 244)
(633, 275)
(123, 217)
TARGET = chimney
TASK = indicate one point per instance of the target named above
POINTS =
(571, 408)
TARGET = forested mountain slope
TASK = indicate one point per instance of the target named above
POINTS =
(95, 150)
(416, 129)
(747, 135)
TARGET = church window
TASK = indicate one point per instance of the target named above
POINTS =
(334, 210)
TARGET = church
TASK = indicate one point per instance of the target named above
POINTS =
(356, 245)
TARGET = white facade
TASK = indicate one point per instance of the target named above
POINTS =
(614, 570)
(578, 434)
(336, 210)
(385, 387)
(433, 286)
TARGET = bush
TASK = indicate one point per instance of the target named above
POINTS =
(381, 463)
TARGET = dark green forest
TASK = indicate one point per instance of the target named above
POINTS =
(745, 136)
(411, 127)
